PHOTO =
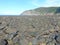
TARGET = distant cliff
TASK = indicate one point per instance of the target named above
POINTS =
(42, 11)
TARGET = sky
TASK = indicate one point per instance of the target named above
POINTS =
(16, 7)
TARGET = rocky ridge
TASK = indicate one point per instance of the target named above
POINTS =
(42, 11)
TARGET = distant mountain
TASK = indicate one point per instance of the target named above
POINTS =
(42, 11)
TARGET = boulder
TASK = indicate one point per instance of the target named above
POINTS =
(3, 42)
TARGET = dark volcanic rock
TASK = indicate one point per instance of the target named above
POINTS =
(3, 42)
(58, 39)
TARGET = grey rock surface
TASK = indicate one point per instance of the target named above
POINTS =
(3, 42)
(30, 30)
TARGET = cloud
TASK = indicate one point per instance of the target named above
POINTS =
(52, 3)
(35, 2)
(46, 3)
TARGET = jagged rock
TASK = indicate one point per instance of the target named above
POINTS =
(38, 41)
(3, 42)
(16, 40)
(10, 30)
(51, 43)
(58, 39)
(12, 35)
(2, 25)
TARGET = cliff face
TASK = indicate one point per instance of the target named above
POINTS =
(43, 11)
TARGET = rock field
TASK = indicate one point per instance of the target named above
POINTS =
(30, 30)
